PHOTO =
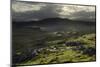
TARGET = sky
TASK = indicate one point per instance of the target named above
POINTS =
(27, 11)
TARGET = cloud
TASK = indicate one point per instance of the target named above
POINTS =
(75, 8)
(25, 11)
(78, 12)
(24, 7)
(83, 15)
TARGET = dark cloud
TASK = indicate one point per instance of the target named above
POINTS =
(25, 11)
(46, 11)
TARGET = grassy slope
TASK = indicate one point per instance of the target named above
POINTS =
(58, 52)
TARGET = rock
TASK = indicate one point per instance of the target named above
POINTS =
(90, 51)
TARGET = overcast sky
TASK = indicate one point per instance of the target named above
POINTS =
(26, 11)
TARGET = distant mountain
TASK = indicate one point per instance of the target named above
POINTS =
(51, 21)
(41, 22)
(55, 19)
(45, 20)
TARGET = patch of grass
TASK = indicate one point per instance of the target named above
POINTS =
(88, 40)
(66, 54)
